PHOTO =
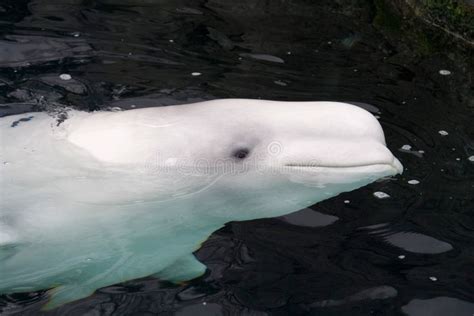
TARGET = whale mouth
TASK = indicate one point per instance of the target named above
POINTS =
(395, 165)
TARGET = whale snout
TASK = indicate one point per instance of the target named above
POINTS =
(340, 154)
(397, 165)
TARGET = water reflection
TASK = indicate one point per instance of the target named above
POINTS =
(418, 243)
(375, 293)
(25, 51)
(409, 241)
(310, 218)
(438, 306)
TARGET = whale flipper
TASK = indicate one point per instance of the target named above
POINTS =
(184, 269)
(67, 293)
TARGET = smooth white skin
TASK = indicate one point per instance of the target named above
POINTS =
(111, 196)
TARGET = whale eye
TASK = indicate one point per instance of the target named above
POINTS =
(241, 153)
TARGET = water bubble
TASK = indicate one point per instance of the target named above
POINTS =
(444, 72)
(471, 158)
(347, 202)
(65, 76)
(401, 257)
(413, 182)
(443, 132)
(171, 41)
(195, 74)
(76, 34)
(381, 195)
(406, 147)
(433, 278)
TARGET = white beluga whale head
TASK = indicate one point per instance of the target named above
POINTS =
(271, 156)
(108, 197)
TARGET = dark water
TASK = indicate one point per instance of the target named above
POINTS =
(412, 253)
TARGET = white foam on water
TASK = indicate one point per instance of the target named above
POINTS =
(444, 72)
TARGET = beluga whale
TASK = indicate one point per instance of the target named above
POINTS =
(105, 197)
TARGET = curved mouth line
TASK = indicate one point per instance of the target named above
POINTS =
(303, 165)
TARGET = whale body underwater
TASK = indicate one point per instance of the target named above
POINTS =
(106, 197)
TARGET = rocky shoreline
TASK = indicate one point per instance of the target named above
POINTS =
(453, 17)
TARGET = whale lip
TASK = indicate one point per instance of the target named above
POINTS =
(394, 164)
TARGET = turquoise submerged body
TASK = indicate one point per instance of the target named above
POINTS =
(108, 197)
